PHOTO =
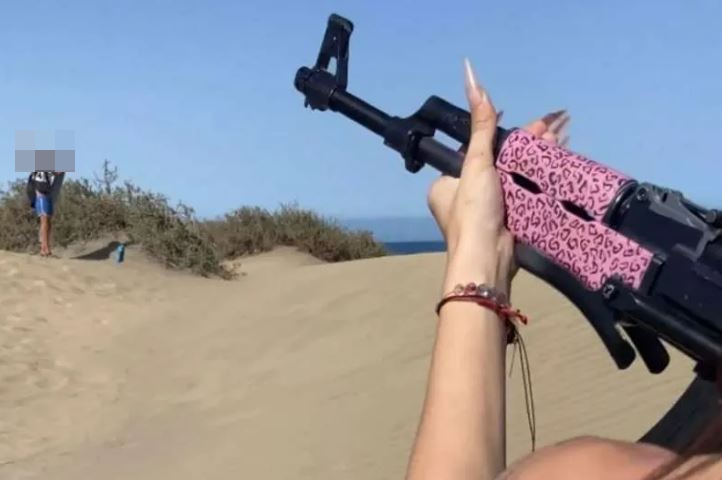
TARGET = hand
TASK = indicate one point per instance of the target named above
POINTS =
(470, 210)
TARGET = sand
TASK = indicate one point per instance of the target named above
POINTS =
(296, 369)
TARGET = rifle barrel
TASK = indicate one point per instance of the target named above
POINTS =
(430, 151)
(359, 111)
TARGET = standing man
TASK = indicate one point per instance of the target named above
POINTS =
(46, 187)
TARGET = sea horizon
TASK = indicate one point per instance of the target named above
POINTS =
(410, 248)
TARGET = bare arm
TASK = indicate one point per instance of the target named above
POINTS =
(461, 434)
(462, 430)
(57, 185)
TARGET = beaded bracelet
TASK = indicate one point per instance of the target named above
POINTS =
(487, 297)
(496, 301)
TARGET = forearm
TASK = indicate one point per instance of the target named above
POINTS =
(462, 431)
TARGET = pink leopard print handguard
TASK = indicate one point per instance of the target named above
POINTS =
(585, 247)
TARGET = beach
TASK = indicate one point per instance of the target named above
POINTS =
(295, 369)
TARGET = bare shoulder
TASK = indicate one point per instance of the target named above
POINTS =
(598, 458)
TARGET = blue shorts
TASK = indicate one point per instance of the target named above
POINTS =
(43, 205)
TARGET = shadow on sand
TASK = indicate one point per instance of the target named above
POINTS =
(102, 253)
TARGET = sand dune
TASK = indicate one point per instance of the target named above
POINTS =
(294, 370)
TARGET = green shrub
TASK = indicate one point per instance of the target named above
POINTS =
(322, 237)
(244, 231)
(172, 235)
(250, 230)
(18, 224)
(90, 210)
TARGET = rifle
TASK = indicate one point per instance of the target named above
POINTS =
(633, 257)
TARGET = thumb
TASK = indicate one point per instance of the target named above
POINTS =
(479, 154)
(440, 200)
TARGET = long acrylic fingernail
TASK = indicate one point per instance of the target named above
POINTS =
(563, 131)
(549, 118)
(560, 123)
(473, 89)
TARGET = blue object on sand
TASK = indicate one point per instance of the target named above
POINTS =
(120, 253)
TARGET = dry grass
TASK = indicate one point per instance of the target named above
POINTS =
(93, 209)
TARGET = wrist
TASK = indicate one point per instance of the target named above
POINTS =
(464, 268)
(479, 260)
(464, 274)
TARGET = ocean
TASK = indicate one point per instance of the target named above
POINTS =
(407, 248)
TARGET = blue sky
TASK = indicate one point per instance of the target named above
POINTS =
(195, 99)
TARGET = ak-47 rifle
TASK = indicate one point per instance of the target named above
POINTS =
(632, 256)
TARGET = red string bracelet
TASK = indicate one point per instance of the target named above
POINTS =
(496, 301)
(487, 297)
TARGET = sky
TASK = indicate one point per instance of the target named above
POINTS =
(196, 99)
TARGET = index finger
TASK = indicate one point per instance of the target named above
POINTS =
(539, 127)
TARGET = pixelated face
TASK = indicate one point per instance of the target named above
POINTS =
(44, 151)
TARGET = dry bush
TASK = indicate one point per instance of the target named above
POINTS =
(89, 210)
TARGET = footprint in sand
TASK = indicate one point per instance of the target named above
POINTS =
(48, 377)
(16, 287)
(26, 367)
(90, 280)
(27, 373)
(6, 303)
(106, 288)
(11, 272)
